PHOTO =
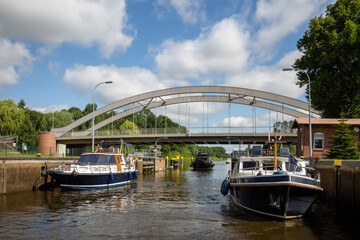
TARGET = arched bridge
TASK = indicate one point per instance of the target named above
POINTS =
(164, 97)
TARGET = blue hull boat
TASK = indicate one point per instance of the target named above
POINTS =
(95, 170)
(85, 181)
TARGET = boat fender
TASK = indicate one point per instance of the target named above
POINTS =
(225, 186)
(130, 175)
(43, 173)
(74, 173)
(135, 174)
(111, 176)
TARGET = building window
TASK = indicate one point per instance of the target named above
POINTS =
(318, 141)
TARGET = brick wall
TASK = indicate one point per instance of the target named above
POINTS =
(327, 130)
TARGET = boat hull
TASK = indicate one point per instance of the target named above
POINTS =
(85, 181)
(277, 197)
(202, 165)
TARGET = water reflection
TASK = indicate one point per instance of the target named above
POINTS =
(169, 204)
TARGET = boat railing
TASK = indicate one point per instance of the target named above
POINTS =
(275, 169)
(83, 167)
(55, 165)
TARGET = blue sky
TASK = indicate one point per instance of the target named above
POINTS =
(53, 53)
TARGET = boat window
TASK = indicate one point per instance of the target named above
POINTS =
(96, 159)
(106, 159)
(319, 141)
(268, 166)
(250, 164)
(292, 166)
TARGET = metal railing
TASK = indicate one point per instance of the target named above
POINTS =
(159, 131)
(271, 168)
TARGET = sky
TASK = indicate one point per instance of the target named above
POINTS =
(53, 53)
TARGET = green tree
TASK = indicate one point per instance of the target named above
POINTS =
(27, 132)
(62, 118)
(75, 113)
(344, 145)
(129, 127)
(11, 117)
(284, 126)
(35, 118)
(88, 109)
(331, 50)
(21, 104)
(45, 125)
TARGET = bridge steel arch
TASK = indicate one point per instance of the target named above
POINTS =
(240, 94)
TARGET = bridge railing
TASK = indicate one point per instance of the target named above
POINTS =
(173, 131)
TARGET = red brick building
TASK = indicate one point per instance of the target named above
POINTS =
(322, 132)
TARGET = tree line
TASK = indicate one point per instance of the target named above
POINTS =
(18, 120)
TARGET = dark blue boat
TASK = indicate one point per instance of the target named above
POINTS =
(284, 190)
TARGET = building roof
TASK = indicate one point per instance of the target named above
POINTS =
(325, 121)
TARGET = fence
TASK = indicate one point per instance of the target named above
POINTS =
(35, 151)
(149, 131)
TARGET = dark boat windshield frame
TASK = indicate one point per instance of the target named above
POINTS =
(96, 159)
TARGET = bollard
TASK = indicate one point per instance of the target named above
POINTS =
(337, 164)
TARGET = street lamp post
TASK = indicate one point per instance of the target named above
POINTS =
(93, 102)
(53, 117)
(310, 132)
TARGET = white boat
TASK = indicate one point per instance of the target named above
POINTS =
(99, 169)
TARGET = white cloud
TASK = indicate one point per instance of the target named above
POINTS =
(261, 121)
(191, 11)
(270, 78)
(222, 48)
(54, 22)
(12, 56)
(50, 109)
(278, 18)
(227, 50)
(237, 122)
(126, 81)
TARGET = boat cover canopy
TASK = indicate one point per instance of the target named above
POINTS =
(96, 159)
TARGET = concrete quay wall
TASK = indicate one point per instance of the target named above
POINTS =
(341, 188)
(21, 175)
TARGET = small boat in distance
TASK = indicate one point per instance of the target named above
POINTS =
(203, 161)
(99, 169)
(228, 161)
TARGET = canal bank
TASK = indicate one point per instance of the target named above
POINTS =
(341, 183)
(24, 174)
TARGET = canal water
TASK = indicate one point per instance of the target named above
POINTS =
(167, 205)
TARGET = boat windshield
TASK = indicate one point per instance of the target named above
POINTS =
(96, 159)
(292, 167)
(250, 164)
